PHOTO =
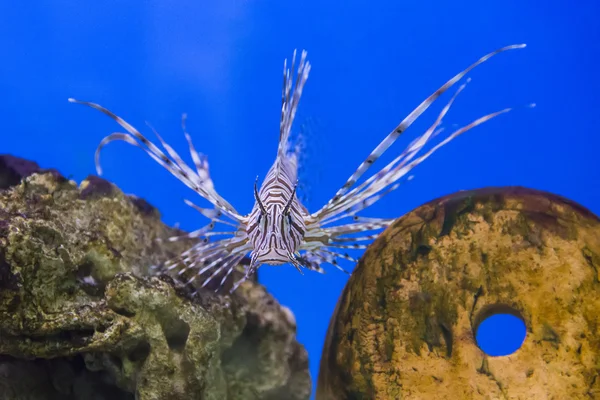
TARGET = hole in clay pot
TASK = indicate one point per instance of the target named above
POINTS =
(500, 330)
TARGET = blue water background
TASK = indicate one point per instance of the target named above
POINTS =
(373, 62)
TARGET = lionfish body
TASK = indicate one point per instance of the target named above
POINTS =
(279, 229)
(276, 225)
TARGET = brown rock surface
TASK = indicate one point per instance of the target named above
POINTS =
(404, 327)
(81, 318)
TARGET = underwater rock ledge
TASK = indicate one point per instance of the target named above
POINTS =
(81, 317)
(404, 326)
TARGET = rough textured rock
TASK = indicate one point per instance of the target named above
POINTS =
(13, 169)
(404, 327)
(80, 317)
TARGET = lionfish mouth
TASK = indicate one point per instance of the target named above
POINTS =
(274, 261)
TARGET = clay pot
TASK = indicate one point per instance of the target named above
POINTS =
(405, 325)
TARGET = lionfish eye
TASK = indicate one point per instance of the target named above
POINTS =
(289, 218)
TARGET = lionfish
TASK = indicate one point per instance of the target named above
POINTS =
(279, 229)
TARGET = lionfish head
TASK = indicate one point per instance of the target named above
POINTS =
(275, 229)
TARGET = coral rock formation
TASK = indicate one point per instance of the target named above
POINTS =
(404, 327)
(81, 317)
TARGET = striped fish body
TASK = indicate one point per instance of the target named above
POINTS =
(276, 227)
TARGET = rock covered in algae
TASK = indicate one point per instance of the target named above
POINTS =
(80, 317)
(404, 327)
